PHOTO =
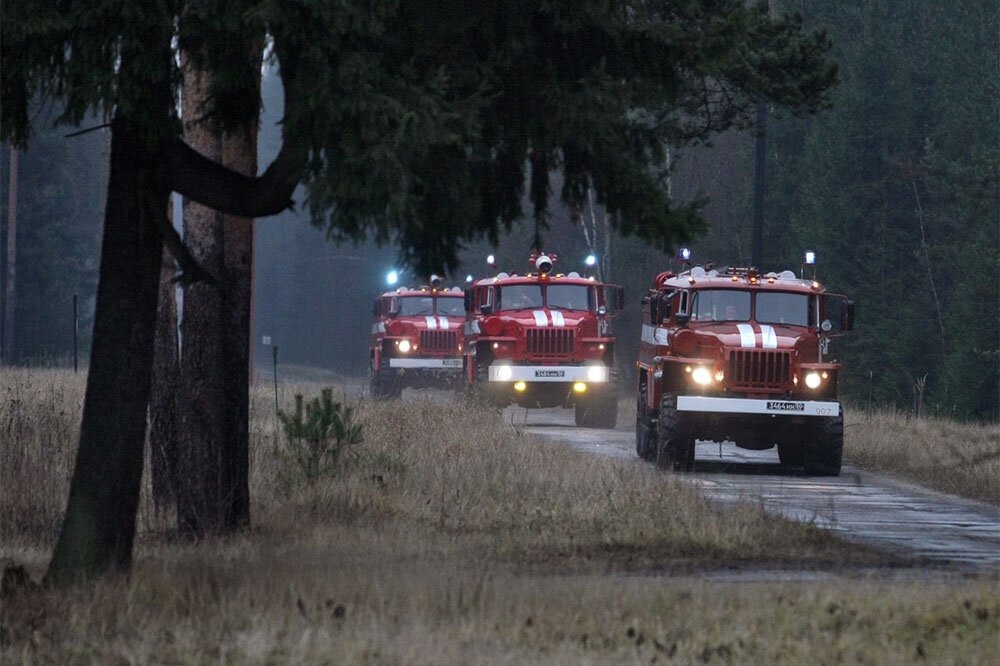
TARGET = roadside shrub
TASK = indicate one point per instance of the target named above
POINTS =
(319, 434)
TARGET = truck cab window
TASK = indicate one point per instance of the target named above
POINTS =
(720, 305)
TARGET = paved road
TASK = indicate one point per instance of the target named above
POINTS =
(861, 505)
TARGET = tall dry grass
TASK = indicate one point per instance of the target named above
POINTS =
(959, 458)
(452, 537)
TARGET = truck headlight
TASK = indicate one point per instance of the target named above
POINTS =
(503, 372)
(595, 373)
(813, 380)
(404, 346)
(701, 375)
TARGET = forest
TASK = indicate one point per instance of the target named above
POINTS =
(896, 188)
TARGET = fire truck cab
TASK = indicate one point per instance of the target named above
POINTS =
(543, 339)
(417, 339)
(735, 355)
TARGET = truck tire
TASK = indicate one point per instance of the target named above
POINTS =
(675, 441)
(597, 410)
(790, 454)
(478, 392)
(384, 384)
(823, 452)
(645, 431)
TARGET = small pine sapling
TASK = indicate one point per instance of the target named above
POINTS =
(319, 433)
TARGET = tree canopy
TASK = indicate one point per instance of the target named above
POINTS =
(420, 121)
(412, 121)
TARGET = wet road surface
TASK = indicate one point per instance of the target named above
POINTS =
(860, 505)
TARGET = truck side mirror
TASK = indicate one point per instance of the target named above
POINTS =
(654, 306)
(847, 315)
(469, 295)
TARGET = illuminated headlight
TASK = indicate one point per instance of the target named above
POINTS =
(701, 375)
(813, 380)
(503, 373)
(404, 346)
(597, 373)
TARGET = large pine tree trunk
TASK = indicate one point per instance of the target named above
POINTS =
(240, 154)
(99, 525)
(163, 399)
(201, 427)
(213, 449)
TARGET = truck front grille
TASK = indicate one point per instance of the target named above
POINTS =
(760, 369)
(549, 341)
(432, 341)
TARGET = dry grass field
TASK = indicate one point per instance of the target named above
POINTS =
(959, 458)
(449, 536)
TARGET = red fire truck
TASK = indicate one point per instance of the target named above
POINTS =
(543, 339)
(417, 338)
(735, 355)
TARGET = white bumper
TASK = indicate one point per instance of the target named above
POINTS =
(500, 372)
(447, 363)
(697, 403)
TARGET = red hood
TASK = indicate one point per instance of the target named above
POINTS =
(580, 320)
(753, 335)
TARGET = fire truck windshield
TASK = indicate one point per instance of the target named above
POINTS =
(720, 305)
(569, 297)
(520, 297)
(783, 308)
(450, 306)
(416, 305)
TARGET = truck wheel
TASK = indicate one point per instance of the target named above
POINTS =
(675, 445)
(478, 391)
(645, 432)
(790, 454)
(824, 450)
(384, 384)
(597, 410)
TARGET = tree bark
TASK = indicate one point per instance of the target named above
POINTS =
(201, 427)
(166, 382)
(7, 330)
(213, 496)
(99, 525)
(239, 153)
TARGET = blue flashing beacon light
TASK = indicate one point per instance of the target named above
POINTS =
(468, 279)
(684, 254)
(591, 260)
(491, 260)
(392, 277)
(810, 258)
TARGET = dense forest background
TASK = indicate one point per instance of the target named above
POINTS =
(897, 189)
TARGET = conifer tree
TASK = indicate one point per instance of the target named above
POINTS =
(413, 121)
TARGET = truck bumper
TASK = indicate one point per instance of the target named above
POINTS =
(444, 373)
(591, 374)
(435, 363)
(699, 403)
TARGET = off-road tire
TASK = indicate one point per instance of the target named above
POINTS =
(478, 391)
(791, 453)
(645, 431)
(675, 441)
(823, 452)
(384, 384)
(597, 410)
